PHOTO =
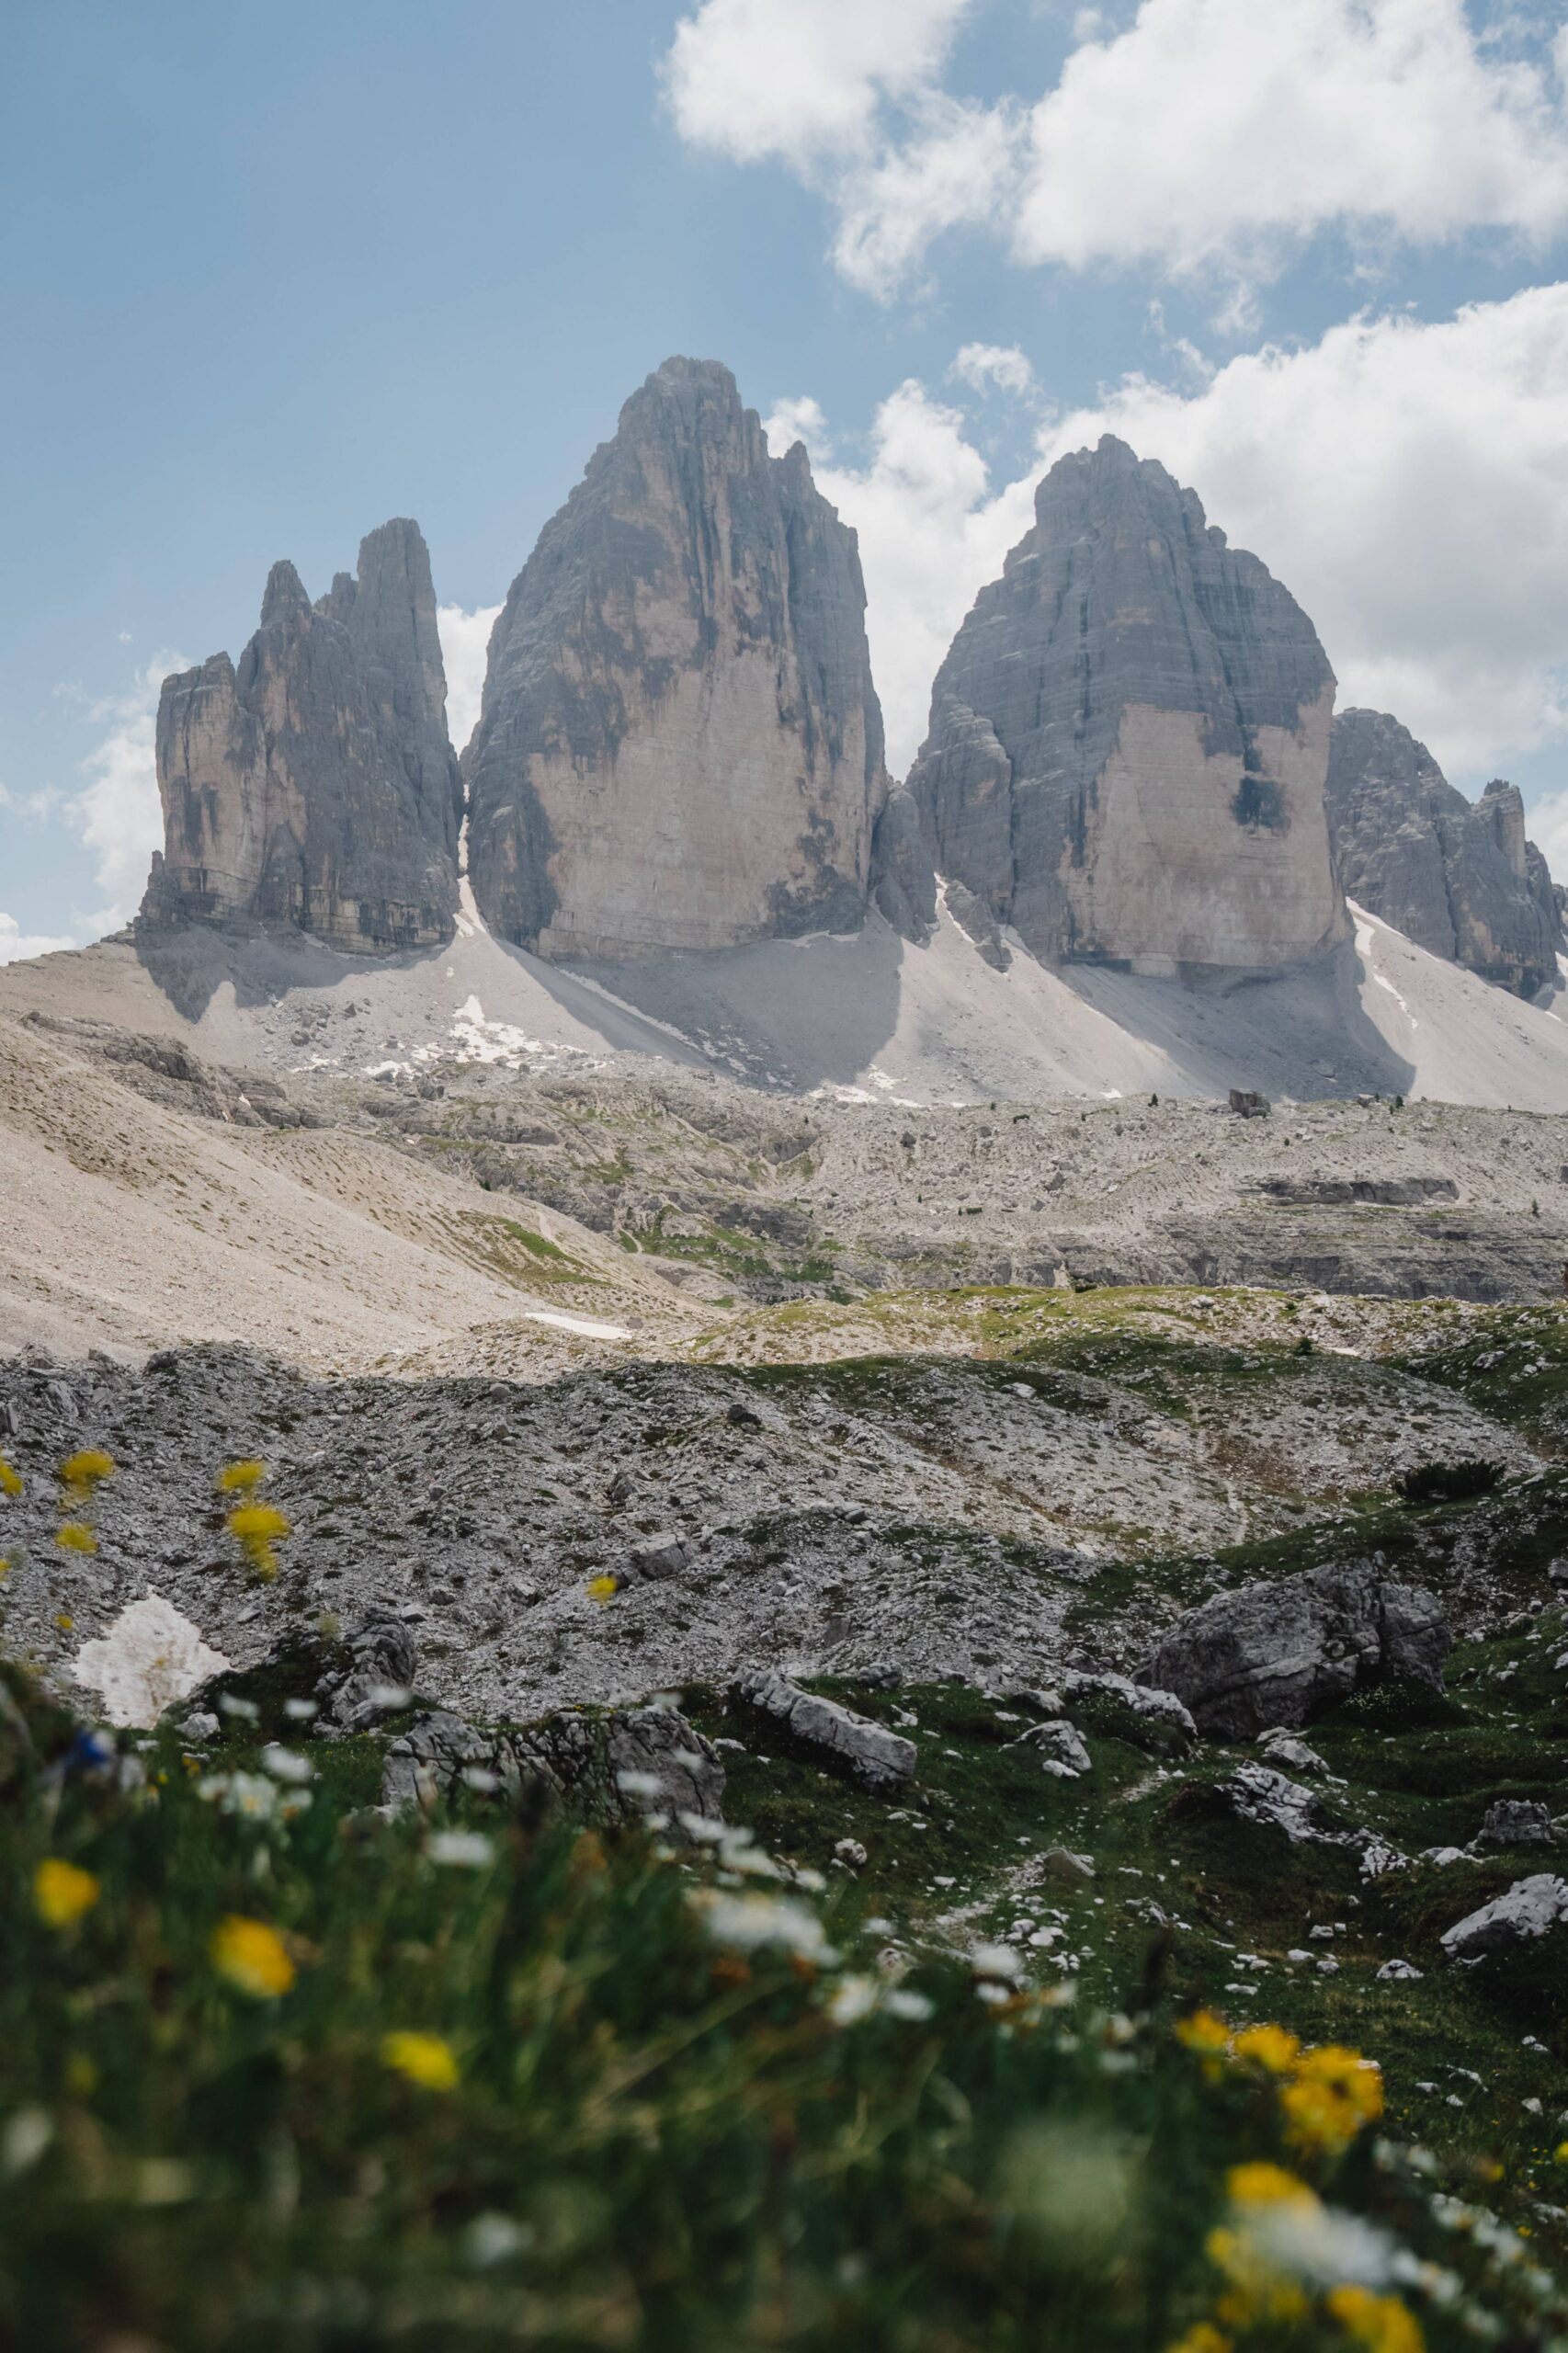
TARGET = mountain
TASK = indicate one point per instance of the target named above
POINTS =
(1457, 876)
(680, 745)
(315, 785)
(1128, 738)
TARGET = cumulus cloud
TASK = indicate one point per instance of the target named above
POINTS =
(117, 814)
(16, 943)
(980, 365)
(1407, 480)
(802, 80)
(933, 530)
(465, 641)
(1209, 135)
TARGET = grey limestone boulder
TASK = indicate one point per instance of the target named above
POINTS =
(1270, 1655)
(383, 1663)
(821, 1729)
(1516, 1821)
(1533, 1909)
(623, 1765)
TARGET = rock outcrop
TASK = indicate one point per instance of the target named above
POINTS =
(824, 1731)
(313, 786)
(1269, 1655)
(1128, 738)
(680, 745)
(1456, 876)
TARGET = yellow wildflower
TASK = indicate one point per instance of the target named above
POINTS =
(257, 1528)
(1335, 2092)
(424, 2059)
(10, 1480)
(603, 1589)
(61, 1892)
(1201, 2337)
(1203, 2031)
(1382, 2324)
(241, 1478)
(1272, 2046)
(1259, 2292)
(75, 1536)
(80, 1473)
(1261, 2184)
(251, 1956)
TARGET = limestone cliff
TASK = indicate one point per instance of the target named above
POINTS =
(1129, 735)
(680, 745)
(315, 785)
(1456, 876)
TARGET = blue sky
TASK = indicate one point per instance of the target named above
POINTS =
(269, 278)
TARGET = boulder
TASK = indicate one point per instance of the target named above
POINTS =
(1516, 1821)
(383, 1662)
(1059, 1747)
(824, 1731)
(1270, 1655)
(1114, 1704)
(623, 1765)
(1533, 1909)
(656, 1558)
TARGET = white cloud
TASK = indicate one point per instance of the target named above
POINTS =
(933, 531)
(1209, 135)
(800, 79)
(1004, 365)
(1407, 481)
(1547, 822)
(799, 420)
(117, 813)
(465, 641)
(16, 943)
(1409, 484)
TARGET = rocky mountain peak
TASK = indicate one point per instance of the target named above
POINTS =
(1459, 877)
(1129, 735)
(680, 745)
(313, 785)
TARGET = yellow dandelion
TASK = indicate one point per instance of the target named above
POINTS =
(75, 1536)
(252, 1957)
(1270, 2046)
(10, 1480)
(1261, 2184)
(603, 1589)
(61, 1892)
(1201, 2337)
(241, 1478)
(1561, 2153)
(1334, 2093)
(80, 1473)
(65, 1620)
(1382, 2324)
(423, 2059)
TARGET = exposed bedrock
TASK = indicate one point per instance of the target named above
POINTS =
(1128, 738)
(315, 785)
(1456, 876)
(680, 745)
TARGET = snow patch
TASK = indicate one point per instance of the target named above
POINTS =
(150, 1656)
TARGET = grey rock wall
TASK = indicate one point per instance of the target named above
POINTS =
(680, 745)
(1456, 876)
(1128, 738)
(313, 785)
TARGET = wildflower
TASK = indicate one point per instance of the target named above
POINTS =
(603, 1589)
(10, 1480)
(75, 1536)
(241, 1478)
(61, 1893)
(1204, 2032)
(252, 1957)
(1382, 2324)
(80, 1474)
(468, 1849)
(1334, 2093)
(1201, 2337)
(1270, 2046)
(750, 1921)
(1261, 2184)
(65, 1620)
(150, 1657)
(424, 2059)
(256, 1528)
(286, 1764)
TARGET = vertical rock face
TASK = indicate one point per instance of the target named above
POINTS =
(680, 745)
(315, 785)
(1130, 736)
(1456, 876)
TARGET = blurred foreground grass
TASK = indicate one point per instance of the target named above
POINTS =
(285, 2077)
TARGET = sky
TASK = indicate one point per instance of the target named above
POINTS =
(267, 279)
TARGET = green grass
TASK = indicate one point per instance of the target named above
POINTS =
(658, 2139)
